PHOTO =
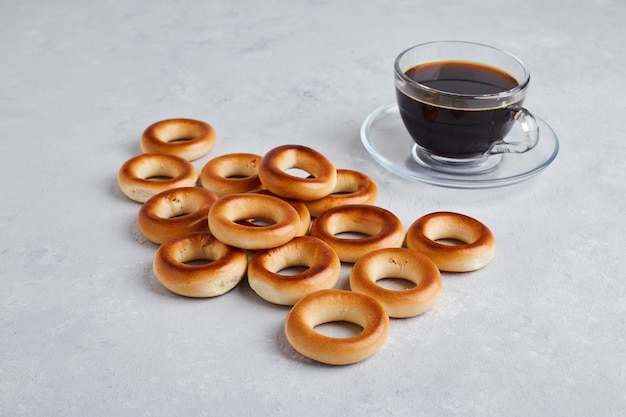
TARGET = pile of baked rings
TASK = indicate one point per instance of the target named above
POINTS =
(257, 216)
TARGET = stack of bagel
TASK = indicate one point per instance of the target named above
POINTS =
(255, 216)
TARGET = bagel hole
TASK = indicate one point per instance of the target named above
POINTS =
(198, 261)
(395, 284)
(180, 140)
(351, 235)
(298, 172)
(182, 213)
(158, 177)
(292, 270)
(449, 241)
(255, 222)
(338, 329)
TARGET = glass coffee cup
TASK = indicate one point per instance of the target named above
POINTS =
(459, 100)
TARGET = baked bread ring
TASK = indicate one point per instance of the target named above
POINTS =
(138, 177)
(274, 176)
(301, 209)
(187, 138)
(174, 213)
(398, 263)
(352, 187)
(382, 227)
(323, 270)
(478, 249)
(171, 265)
(232, 173)
(230, 215)
(326, 306)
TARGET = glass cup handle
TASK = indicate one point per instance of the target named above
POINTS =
(529, 126)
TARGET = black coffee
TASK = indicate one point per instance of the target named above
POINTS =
(456, 132)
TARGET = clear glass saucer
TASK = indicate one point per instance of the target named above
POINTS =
(386, 139)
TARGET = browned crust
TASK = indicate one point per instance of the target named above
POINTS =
(385, 230)
(226, 270)
(230, 209)
(301, 208)
(478, 250)
(398, 263)
(337, 305)
(232, 173)
(175, 212)
(277, 161)
(134, 176)
(353, 187)
(323, 270)
(162, 136)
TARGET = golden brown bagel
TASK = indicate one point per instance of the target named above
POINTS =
(477, 251)
(137, 177)
(301, 209)
(326, 306)
(274, 176)
(232, 173)
(175, 212)
(227, 267)
(323, 270)
(190, 139)
(383, 230)
(398, 263)
(229, 215)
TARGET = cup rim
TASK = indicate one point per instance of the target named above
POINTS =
(518, 90)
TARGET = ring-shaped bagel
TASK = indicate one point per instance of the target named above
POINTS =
(381, 227)
(229, 215)
(478, 249)
(301, 209)
(353, 187)
(175, 212)
(326, 306)
(399, 263)
(274, 176)
(232, 173)
(323, 270)
(225, 270)
(188, 138)
(139, 178)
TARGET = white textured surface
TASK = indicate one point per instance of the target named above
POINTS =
(86, 330)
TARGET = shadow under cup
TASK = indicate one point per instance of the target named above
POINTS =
(458, 101)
